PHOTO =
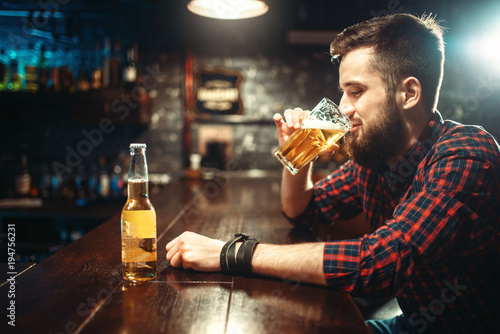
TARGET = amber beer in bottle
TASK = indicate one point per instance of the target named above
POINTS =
(138, 222)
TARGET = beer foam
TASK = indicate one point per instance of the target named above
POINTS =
(324, 125)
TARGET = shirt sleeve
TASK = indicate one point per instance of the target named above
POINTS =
(334, 197)
(451, 207)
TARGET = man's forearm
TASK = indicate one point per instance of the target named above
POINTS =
(296, 191)
(298, 262)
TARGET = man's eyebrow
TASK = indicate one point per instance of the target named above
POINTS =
(351, 83)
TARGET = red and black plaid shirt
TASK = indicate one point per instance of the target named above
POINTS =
(435, 220)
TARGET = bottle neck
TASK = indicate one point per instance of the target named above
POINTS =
(138, 182)
(138, 169)
(138, 189)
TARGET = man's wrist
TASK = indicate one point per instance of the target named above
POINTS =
(236, 254)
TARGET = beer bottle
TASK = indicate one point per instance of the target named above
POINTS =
(138, 220)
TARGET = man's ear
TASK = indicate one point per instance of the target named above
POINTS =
(412, 92)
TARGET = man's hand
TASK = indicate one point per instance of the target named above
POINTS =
(291, 122)
(193, 251)
(300, 262)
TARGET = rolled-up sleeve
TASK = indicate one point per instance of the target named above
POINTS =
(334, 197)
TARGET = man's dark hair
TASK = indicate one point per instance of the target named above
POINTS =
(404, 45)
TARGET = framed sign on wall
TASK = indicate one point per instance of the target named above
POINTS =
(218, 92)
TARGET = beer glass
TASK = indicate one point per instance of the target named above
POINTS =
(323, 127)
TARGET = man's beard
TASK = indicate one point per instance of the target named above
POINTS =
(380, 141)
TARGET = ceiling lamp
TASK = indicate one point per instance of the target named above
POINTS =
(228, 9)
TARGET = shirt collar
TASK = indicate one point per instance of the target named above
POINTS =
(427, 139)
(407, 165)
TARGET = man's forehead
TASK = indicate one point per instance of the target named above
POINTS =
(355, 66)
(358, 56)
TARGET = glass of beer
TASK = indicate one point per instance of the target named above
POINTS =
(322, 128)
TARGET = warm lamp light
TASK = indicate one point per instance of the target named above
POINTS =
(228, 9)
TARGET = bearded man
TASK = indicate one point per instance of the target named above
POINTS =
(429, 189)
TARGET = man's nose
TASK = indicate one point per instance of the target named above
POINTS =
(347, 108)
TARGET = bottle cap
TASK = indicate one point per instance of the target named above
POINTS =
(136, 145)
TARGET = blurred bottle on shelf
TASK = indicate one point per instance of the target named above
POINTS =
(80, 187)
(43, 71)
(130, 70)
(23, 178)
(104, 180)
(55, 64)
(92, 182)
(96, 78)
(116, 66)
(15, 78)
(31, 75)
(55, 186)
(51, 68)
(83, 83)
(45, 179)
(194, 171)
(116, 180)
(106, 63)
(35, 180)
(4, 73)
(67, 186)
(66, 72)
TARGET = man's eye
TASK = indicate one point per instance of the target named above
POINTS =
(356, 93)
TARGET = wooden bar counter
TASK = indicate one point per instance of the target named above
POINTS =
(80, 290)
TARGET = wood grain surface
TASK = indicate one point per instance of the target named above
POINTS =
(80, 290)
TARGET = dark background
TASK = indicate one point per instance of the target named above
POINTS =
(277, 74)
